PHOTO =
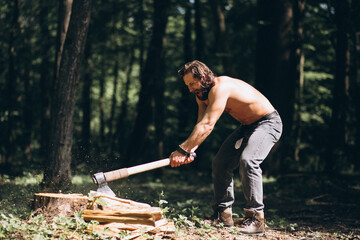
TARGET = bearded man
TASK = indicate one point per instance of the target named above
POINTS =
(260, 127)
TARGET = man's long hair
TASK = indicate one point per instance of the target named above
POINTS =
(200, 71)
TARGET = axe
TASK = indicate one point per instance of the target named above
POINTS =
(102, 178)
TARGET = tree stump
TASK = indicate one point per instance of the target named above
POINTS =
(57, 204)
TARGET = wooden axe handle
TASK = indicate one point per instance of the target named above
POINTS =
(125, 172)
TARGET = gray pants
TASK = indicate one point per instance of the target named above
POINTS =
(246, 148)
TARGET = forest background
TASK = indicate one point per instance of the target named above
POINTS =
(89, 86)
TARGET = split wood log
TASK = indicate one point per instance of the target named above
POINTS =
(156, 213)
(115, 202)
(136, 230)
(58, 204)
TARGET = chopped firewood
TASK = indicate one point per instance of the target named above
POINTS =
(146, 213)
(101, 218)
(115, 215)
(115, 201)
(114, 226)
(57, 204)
(169, 227)
(112, 229)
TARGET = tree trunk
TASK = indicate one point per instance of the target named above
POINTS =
(65, 9)
(222, 49)
(186, 103)
(57, 175)
(45, 80)
(28, 104)
(121, 130)
(86, 101)
(149, 78)
(142, 35)
(56, 204)
(355, 6)
(298, 60)
(11, 87)
(199, 41)
(274, 71)
(102, 108)
(338, 127)
(112, 133)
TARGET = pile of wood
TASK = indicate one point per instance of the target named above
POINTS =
(115, 215)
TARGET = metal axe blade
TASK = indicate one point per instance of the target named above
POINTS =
(100, 180)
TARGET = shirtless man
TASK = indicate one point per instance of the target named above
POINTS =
(246, 148)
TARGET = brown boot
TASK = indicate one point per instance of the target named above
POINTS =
(254, 223)
(224, 216)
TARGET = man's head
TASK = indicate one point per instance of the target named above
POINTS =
(199, 72)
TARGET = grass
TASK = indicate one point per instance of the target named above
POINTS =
(185, 198)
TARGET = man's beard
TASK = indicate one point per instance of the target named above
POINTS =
(204, 93)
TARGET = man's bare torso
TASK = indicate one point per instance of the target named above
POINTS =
(244, 103)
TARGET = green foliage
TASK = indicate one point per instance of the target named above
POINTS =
(37, 227)
(185, 199)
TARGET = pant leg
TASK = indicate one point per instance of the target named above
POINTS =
(223, 166)
(257, 146)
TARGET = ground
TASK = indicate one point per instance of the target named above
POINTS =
(297, 206)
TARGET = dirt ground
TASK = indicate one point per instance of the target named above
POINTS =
(299, 206)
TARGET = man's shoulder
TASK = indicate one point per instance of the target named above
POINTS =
(226, 83)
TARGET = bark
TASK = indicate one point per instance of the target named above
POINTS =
(186, 103)
(121, 130)
(221, 47)
(355, 6)
(11, 84)
(273, 56)
(151, 79)
(102, 108)
(45, 80)
(57, 174)
(86, 101)
(142, 35)
(298, 60)
(275, 68)
(188, 51)
(113, 99)
(28, 104)
(338, 139)
(56, 204)
(199, 40)
(65, 9)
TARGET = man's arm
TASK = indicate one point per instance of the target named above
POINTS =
(201, 109)
(217, 103)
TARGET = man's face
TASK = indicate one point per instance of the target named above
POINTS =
(193, 84)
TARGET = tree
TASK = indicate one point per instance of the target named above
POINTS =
(86, 100)
(151, 82)
(274, 72)
(339, 133)
(297, 61)
(199, 41)
(45, 83)
(11, 86)
(185, 103)
(58, 172)
(355, 8)
(221, 44)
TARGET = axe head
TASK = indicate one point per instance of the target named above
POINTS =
(103, 188)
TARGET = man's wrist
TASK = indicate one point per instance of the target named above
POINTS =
(182, 151)
(186, 153)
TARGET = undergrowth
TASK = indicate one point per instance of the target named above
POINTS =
(185, 200)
